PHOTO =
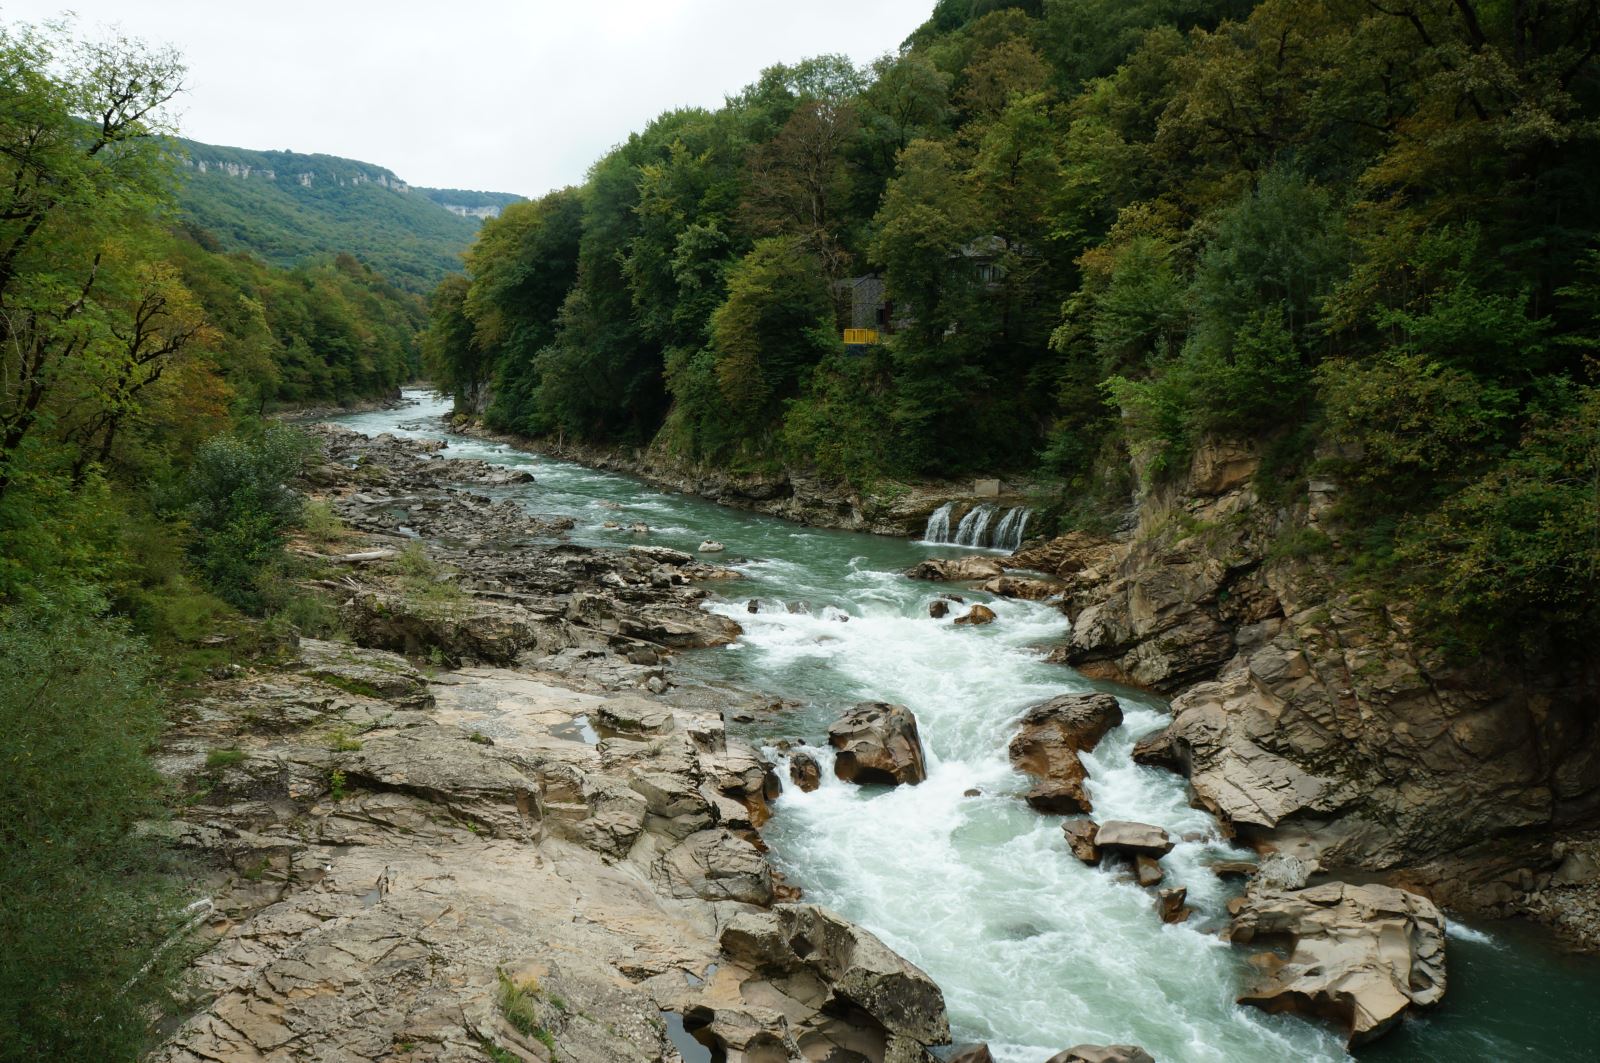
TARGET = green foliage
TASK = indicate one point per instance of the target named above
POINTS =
(519, 1004)
(83, 906)
(1241, 391)
(217, 759)
(1411, 426)
(1513, 558)
(1352, 231)
(241, 506)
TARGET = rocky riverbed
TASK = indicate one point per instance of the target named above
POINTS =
(495, 824)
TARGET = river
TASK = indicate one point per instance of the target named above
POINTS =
(1034, 950)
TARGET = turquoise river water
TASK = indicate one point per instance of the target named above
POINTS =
(1034, 951)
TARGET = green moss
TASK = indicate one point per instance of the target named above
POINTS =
(218, 759)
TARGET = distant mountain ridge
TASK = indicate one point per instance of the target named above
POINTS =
(469, 203)
(287, 207)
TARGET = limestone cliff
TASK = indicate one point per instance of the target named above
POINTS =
(1311, 719)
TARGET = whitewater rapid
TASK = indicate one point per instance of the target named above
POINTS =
(1034, 950)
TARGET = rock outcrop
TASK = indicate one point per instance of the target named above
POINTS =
(958, 569)
(845, 991)
(1049, 738)
(877, 743)
(1130, 839)
(1362, 955)
(1309, 719)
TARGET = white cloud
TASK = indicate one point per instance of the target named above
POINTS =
(493, 94)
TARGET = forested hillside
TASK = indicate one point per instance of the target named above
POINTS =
(288, 208)
(1360, 237)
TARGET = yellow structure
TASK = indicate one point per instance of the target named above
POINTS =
(860, 337)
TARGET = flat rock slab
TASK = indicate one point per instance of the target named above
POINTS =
(1132, 839)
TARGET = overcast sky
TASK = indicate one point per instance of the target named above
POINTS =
(489, 94)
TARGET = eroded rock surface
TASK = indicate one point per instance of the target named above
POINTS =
(1049, 738)
(1311, 720)
(1362, 955)
(877, 743)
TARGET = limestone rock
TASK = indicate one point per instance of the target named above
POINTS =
(1067, 556)
(877, 743)
(477, 630)
(938, 608)
(1102, 1054)
(854, 969)
(1032, 590)
(362, 671)
(1081, 834)
(1048, 741)
(716, 865)
(1132, 839)
(976, 616)
(1156, 750)
(958, 569)
(978, 1053)
(805, 772)
(1147, 870)
(1172, 907)
(479, 783)
(1362, 955)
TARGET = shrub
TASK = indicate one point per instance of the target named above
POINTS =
(240, 506)
(83, 905)
(1515, 555)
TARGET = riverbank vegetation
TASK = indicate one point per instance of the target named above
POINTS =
(144, 503)
(1361, 236)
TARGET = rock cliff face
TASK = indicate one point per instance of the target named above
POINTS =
(1313, 721)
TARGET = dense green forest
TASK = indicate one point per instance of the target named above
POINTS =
(1361, 235)
(143, 508)
(288, 208)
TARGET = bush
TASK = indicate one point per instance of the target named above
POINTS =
(82, 903)
(1516, 553)
(1258, 384)
(241, 505)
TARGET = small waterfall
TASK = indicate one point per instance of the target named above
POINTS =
(970, 531)
(938, 530)
(974, 528)
(1009, 535)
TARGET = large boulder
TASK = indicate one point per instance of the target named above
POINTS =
(1362, 955)
(1126, 838)
(804, 772)
(978, 1053)
(977, 616)
(957, 569)
(1103, 1054)
(877, 743)
(826, 964)
(1081, 835)
(1047, 744)
(1032, 590)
